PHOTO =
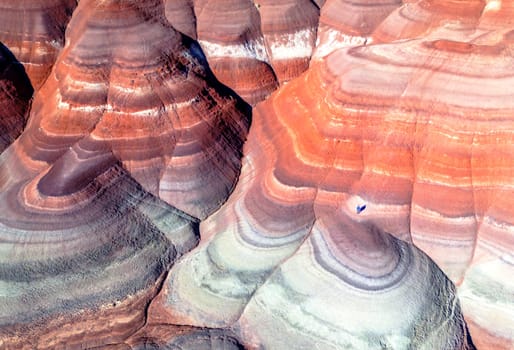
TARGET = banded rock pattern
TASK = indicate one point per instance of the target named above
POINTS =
(345, 23)
(266, 42)
(130, 113)
(419, 131)
(128, 79)
(355, 175)
(83, 250)
(465, 48)
(451, 20)
(280, 222)
(394, 295)
(34, 31)
(170, 337)
(289, 29)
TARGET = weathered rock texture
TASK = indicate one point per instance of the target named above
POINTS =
(372, 207)
(170, 337)
(128, 81)
(288, 244)
(34, 31)
(78, 268)
(97, 197)
(251, 45)
(345, 23)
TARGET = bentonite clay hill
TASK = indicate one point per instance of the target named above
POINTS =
(238, 174)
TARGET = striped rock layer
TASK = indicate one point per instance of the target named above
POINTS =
(345, 23)
(15, 94)
(373, 203)
(267, 42)
(171, 337)
(131, 83)
(419, 131)
(34, 31)
(78, 269)
(281, 255)
(97, 196)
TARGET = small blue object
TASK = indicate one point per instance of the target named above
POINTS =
(360, 208)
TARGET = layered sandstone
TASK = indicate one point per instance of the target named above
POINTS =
(128, 80)
(307, 166)
(345, 23)
(418, 131)
(84, 248)
(34, 31)
(266, 42)
(97, 195)
(372, 207)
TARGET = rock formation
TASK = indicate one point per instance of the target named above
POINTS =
(266, 42)
(404, 129)
(161, 336)
(34, 31)
(83, 249)
(345, 23)
(305, 170)
(129, 80)
(370, 206)
(122, 120)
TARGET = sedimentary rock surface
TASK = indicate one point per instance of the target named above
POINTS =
(162, 336)
(129, 113)
(290, 30)
(374, 274)
(266, 42)
(344, 23)
(15, 94)
(292, 214)
(371, 206)
(403, 129)
(83, 246)
(34, 31)
(126, 78)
